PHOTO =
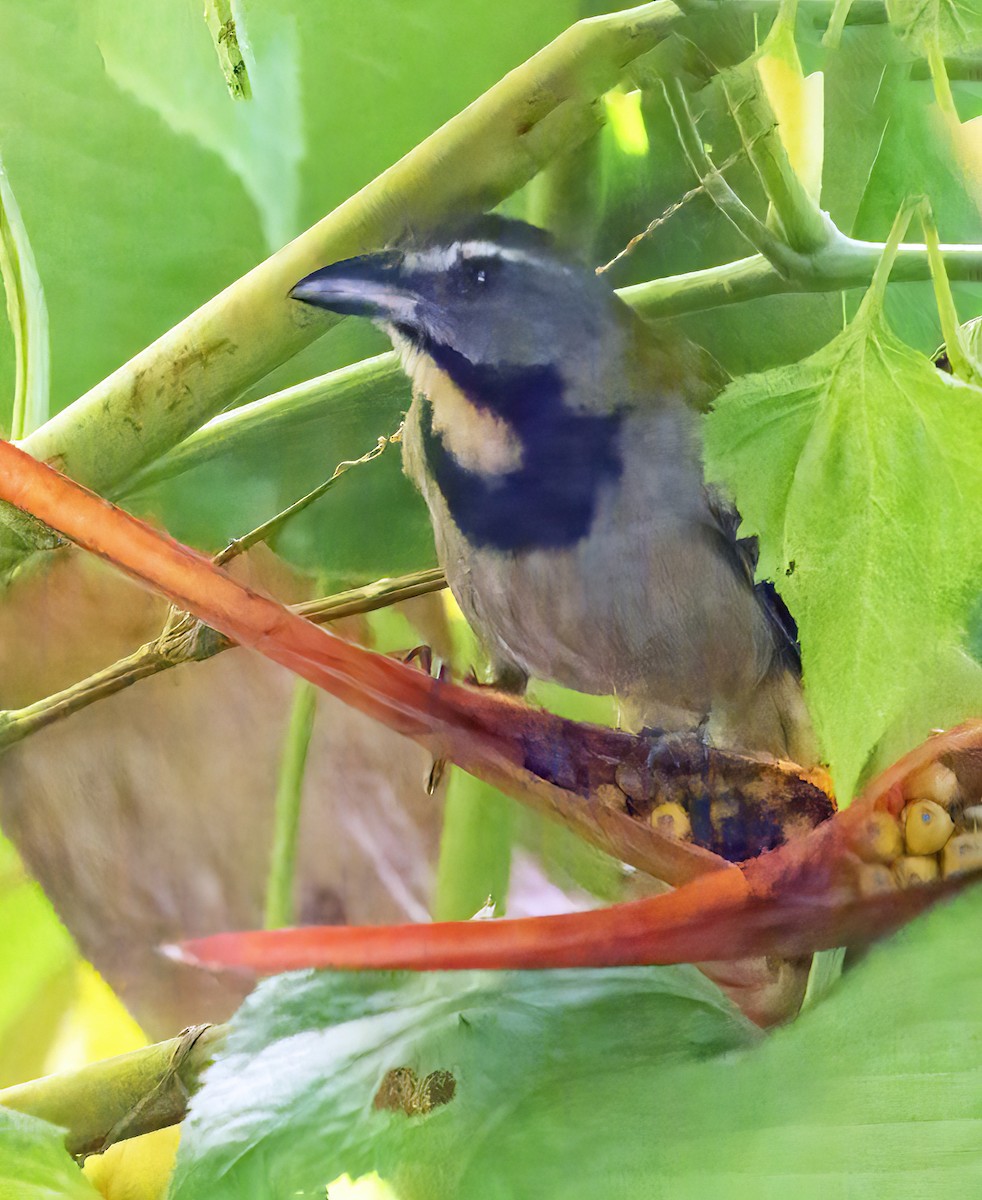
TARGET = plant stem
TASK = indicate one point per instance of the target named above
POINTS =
(221, 26)
(959, 356)
(475, 849)
(262, 533)
(28, 316)
(939, 78)
(837, 22)
(805, 227)
(289, 792)
(715, 186)
(844, 263)
(123, 1097)
(187, 641)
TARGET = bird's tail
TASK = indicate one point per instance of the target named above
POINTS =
(772, 719)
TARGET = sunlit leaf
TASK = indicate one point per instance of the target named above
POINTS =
(570, 1085)
(866, 516)
(322, 1048)
(798, 103)
(34, 1164)
(954, 26)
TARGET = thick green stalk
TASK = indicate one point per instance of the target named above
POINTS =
(120, 1097)
(378, 380)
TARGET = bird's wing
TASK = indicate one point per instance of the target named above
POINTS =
(743, 553)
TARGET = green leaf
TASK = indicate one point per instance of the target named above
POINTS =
(954, 26)
(922, 152)
(633, 1083)
(292, 1098)
(34, 1164)
(867, 518)
(163, 55)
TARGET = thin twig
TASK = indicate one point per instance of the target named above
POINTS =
(185, 639)
(764, 240)
(264, 532)
(669, 212)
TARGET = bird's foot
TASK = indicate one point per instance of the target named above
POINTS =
(512, 680)
(675, 758)
(423, 655)
(678, 752)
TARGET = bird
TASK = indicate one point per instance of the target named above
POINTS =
(554, 436)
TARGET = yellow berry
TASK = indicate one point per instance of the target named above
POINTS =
(671, 820)
(963, 853)
(912, 869)
(875, 879)
(878, 839)
(926, 827)
(934, 782)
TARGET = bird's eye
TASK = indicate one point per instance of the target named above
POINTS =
(476, 272)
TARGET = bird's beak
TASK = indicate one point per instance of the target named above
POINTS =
(372, 285)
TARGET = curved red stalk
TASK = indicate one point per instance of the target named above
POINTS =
(794, 900)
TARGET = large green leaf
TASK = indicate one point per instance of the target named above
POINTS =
(867, 517)
(292, 1099)
(952, 26)
(34, 1164)
(636, 1083)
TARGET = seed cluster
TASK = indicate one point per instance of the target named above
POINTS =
(937, 835)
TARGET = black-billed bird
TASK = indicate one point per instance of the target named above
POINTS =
(554, 437)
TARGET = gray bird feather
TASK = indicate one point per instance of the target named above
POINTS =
(555, 439)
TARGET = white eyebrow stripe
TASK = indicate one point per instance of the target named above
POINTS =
(441, 258)
(438, 258)
(480, 249)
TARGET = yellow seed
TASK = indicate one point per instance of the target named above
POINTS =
(875, 879)
(926, 827)
(915, 868)
(671, 820)
(962, 853)
(878, 839)
(934, 782)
